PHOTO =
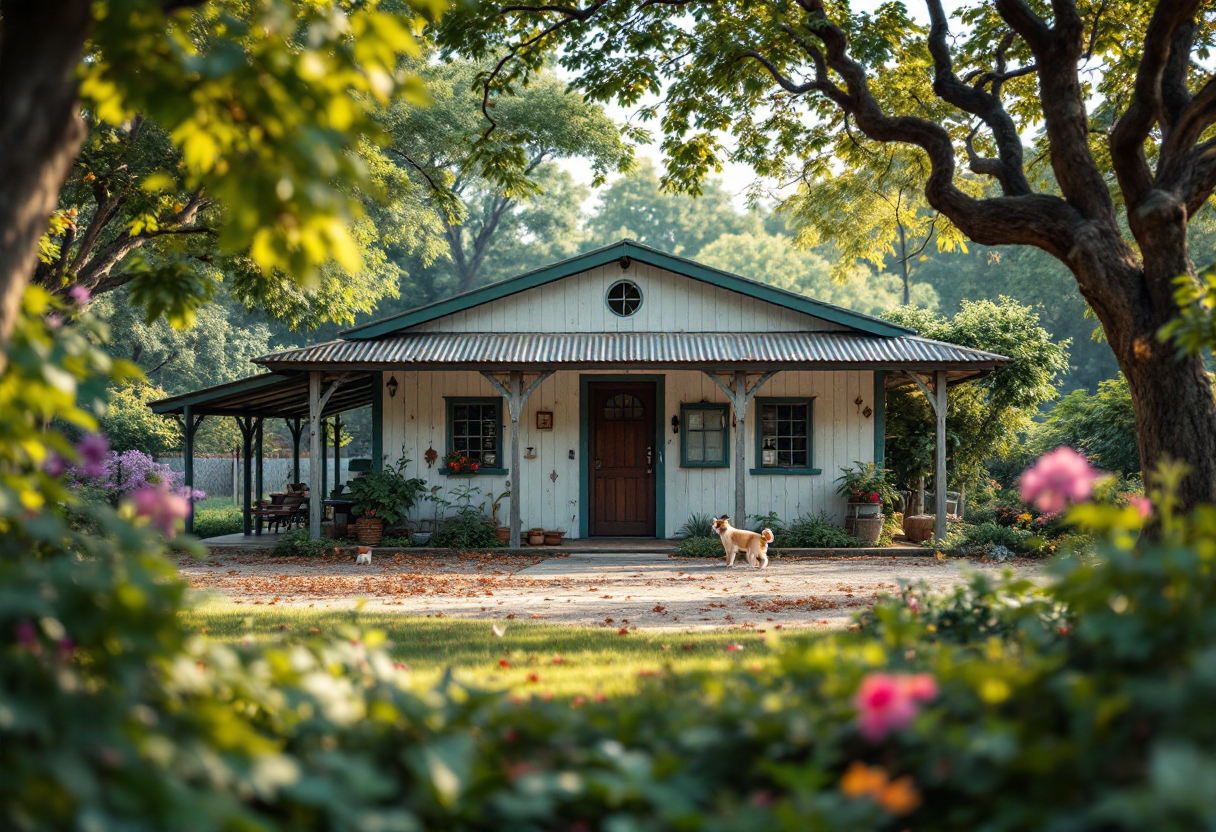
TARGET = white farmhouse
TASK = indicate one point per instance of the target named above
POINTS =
(617, 392)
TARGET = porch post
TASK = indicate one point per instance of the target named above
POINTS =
(324, 461)
(259, 487)
(190, 425)
(939, 473)
(316, 406)
(246, 425)
(740, 396)
(337, 452)
(516, 397)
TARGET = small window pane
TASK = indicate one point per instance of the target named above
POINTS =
(695, 452)
(713, 446)
(696, 420)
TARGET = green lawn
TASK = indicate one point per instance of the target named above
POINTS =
(542, 658)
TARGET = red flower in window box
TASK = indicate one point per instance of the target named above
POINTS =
(474, 466)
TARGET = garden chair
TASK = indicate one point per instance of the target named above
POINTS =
(289, 510)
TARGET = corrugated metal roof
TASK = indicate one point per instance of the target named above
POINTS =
(578, 349)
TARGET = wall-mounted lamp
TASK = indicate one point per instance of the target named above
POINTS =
(391, 384)
(857, 401)
(675, 424)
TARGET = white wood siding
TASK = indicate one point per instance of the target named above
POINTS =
(416, 419)
(670, 303)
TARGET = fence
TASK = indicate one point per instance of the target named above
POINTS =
(221, 476)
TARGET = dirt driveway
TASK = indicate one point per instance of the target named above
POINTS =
(608, 590)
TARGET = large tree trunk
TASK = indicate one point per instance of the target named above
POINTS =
(41, 131)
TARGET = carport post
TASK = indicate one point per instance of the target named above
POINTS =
(315, 454)
(337, 452)
(324, 460)
(293, 425)
(258, 486)
(245, 423)
(190, 425)
(939, 472)
(516, 397)
(740, 396)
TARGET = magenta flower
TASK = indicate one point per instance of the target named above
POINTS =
(92, 449)
(162, 507)
(1057, 478)
(913, 604)
(79, 295)
(889, 702)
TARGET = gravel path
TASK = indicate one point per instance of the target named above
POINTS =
(608, 590)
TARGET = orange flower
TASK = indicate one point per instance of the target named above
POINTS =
(899, 797)
(862, 781)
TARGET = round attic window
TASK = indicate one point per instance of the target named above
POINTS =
(624, 298)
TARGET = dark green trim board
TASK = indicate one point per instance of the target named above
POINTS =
(755, 415)
(243, 385)
(452, 401)
(584, 446)
(642, 254)
(880, 418)
(727, 448)
(377, 380)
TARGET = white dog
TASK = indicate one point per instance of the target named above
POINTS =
(365, 555)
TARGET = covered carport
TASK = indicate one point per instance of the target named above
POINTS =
(299, 399)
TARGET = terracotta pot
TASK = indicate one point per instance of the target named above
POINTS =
(536, 537)
(554, 538)
(369, 530)
(868, 530)
(504, 534)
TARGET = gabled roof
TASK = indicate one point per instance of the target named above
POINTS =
(611, 253)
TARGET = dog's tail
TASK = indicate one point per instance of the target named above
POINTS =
(767, 535)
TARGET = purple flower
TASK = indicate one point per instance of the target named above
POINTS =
(79, 295)
(191, 494)
(162, 507)
(54, 320)
(55, 465)
(1057, 478)
(26, 634)
(92, 449)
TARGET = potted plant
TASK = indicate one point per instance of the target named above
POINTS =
(383, 498)
(866, 488)
(503, 532)
(554, 538)
(459, 464)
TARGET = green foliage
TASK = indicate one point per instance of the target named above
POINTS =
(1102, 426)
(468, 528)
(1194, 329)
(386, 494)
(213, 521)
(698, 525)
(700, 547)
(636, 206)
(772, 258)
(813, 531)
(130, 425)
(300, 544)
(865, 482)
(985, 417)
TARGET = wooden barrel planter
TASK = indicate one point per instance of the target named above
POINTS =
(369, 530)
(536, 537)
(554, 538)
(868, 529)
(504, 534)
(919, 527)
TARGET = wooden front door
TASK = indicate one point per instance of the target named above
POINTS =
(623, 455)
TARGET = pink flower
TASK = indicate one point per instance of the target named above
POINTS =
(162, 507)
(54, 320)
(913, 604)
(79, 295)
(1057, 478)
(1144, 506)
(889, 702)
(92, 449)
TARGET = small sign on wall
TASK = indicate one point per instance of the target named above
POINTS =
(544, 420)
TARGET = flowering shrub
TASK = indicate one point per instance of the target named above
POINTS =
(120, 474)
(1080, 704)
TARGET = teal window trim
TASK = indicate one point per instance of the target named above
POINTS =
(715, 407)
(808, 469)
(452, 402)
